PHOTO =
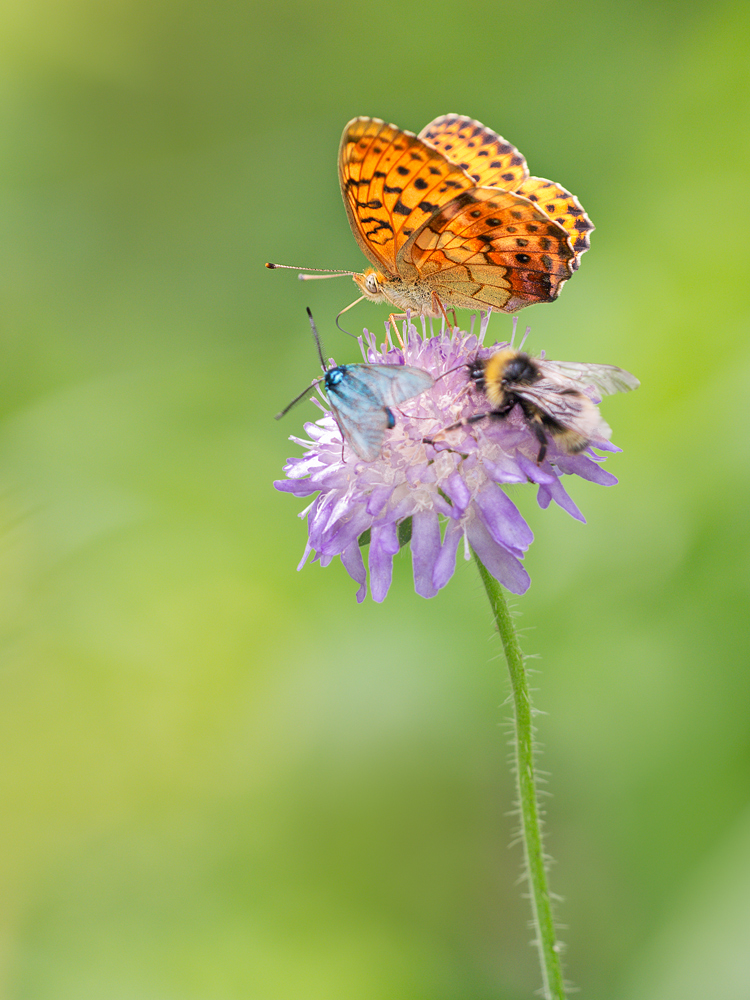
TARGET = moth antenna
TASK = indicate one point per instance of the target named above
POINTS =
(318, 344)
(325, 272)
(297, 399)
(346, 309)
(449, 371)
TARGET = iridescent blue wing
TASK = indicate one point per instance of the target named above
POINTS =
(394, 384)
(360, 402)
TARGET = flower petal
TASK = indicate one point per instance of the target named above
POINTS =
(586, 469)
(536, 473)
(378, 499)
(351, 557)
(383, 547)
(556, 491)
(505, 568)
(504, 470)
(425, 548)
(458, 491)
(299, 487)
(445, 564)
(502, 520)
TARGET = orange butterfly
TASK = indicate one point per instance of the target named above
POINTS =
(451, 219)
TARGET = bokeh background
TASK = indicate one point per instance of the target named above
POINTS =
(223, 779)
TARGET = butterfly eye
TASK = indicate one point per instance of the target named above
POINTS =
(371, 284)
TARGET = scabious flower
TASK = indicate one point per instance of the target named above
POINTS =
(449, 492)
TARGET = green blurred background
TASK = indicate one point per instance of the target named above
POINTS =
(224, 779)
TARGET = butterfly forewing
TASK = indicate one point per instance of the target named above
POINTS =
(391, 183)
(484, 155)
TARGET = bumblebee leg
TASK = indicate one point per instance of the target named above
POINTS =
(459, 423)
(541, 438)
(533, 419)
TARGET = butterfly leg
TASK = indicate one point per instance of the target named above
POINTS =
(439, 309)
(392, 319)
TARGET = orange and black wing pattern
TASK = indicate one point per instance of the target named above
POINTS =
(564, 208)
(492, 247)
(392, 183)
(494, 162)
(489, 159)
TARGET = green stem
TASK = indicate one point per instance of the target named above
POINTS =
(549, 955)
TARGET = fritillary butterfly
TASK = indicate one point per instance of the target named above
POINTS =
(451, 218)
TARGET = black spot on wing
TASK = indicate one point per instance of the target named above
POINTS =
(379, 224)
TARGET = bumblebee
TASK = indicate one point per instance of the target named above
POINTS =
(550, 394)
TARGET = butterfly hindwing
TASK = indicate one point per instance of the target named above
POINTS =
(491, 247)
(562, 207)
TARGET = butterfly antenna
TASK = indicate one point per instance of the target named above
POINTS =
(325, 272)
(297, 399)
(317, 342)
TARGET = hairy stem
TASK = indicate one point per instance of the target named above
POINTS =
(536, 871)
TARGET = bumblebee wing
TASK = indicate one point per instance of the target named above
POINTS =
(360, 413)
(392, 384)
(608, 379)
(566, 405)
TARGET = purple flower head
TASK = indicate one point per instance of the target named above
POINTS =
(448, 489)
